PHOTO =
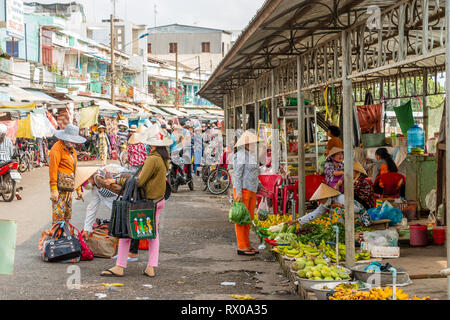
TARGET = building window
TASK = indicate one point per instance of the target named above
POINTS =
(173, 47)
(206, 47)
(12, 48)
(149, 48)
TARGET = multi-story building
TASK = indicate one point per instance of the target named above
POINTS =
(51, 48)
(196, 46)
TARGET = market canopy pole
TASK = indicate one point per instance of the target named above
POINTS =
(301, 139)
(348, 152)
(275, 134)
(447, 130)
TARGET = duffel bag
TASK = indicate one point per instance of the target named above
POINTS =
(101, 243)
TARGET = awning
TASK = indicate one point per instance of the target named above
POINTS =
(196, 112)
(106, 106)
(43, 95)
(159, 111)
(80, 99)
(18, 94)
(9, 106)
(175, 112)
(216, 112)
(129, 106)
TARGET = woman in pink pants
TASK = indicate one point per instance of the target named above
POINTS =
(152, 178)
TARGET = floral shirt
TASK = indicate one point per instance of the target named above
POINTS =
(137, 153)
(330, 178)
(364, 192)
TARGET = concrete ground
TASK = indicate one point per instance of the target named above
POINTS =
(197, 254)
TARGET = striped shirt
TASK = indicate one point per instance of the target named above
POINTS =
(6, 150)
(122, 137)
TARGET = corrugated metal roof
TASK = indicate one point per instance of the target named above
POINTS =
(280, 30)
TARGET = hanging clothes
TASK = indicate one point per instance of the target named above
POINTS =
(40, 126)
(24, 128)
(89, 116)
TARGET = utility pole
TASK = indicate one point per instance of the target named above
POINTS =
(113, 62)
(176, 76)
(199, 74)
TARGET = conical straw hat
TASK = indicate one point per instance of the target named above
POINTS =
(334, 150)
(154, 136)
(82, 174)
(246, 138)
(324, 191)
(359, 168)
(133, 136)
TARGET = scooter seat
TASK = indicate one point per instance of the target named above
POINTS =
(4, 163)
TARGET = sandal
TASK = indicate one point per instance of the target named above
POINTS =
(148, 275)
(246, 253)
(254, 250)
(110, 273)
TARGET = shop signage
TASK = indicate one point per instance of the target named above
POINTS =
(14, 19)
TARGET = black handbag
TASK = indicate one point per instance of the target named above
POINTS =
(62, 246)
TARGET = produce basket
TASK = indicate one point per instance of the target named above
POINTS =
(322, 294)
(384, 277)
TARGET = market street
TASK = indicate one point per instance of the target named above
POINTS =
(197, 254)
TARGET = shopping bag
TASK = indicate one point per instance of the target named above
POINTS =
(140, 216)
(263, 210)
(239, 214)
(101, 243)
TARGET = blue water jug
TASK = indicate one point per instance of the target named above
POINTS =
(416, 138)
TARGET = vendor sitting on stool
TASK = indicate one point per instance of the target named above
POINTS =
(334, 169)
(363, 189)
(331, 202)
(388, 182)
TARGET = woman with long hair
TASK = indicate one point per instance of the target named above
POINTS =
(387, 181)
(384, 164)
(152, 178)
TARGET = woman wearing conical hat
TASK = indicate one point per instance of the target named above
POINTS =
(363, 190)
(245, 186)
(137, 152)
(334, 169)
(331, 206)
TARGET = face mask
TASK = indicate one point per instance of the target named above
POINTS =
(328, 203)
(68, 145)
(87, 186)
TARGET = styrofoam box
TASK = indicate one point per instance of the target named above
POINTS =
(384, 252)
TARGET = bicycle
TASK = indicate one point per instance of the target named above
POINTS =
(218, 181)
(24, 157)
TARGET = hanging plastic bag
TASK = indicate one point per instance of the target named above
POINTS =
(263, 210)
(239, 214)
(381, 238)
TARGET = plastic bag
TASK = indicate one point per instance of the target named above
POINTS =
(239, 214)
(386, 211)
(382, 238)
(430, 201)
(263, 210)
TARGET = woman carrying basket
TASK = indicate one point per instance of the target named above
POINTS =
(153, 179)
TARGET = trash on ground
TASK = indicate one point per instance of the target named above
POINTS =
(180, 282)
(100, 295)
(242, 297)
(228, 283)
(148, 286)
(112, 284)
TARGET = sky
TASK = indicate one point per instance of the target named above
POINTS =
(218, 14)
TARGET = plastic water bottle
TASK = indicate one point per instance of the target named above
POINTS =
(416, 138)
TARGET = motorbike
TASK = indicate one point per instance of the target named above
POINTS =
(177, 177)
(9, 176)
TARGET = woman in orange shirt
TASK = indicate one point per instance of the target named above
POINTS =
(62, 167)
